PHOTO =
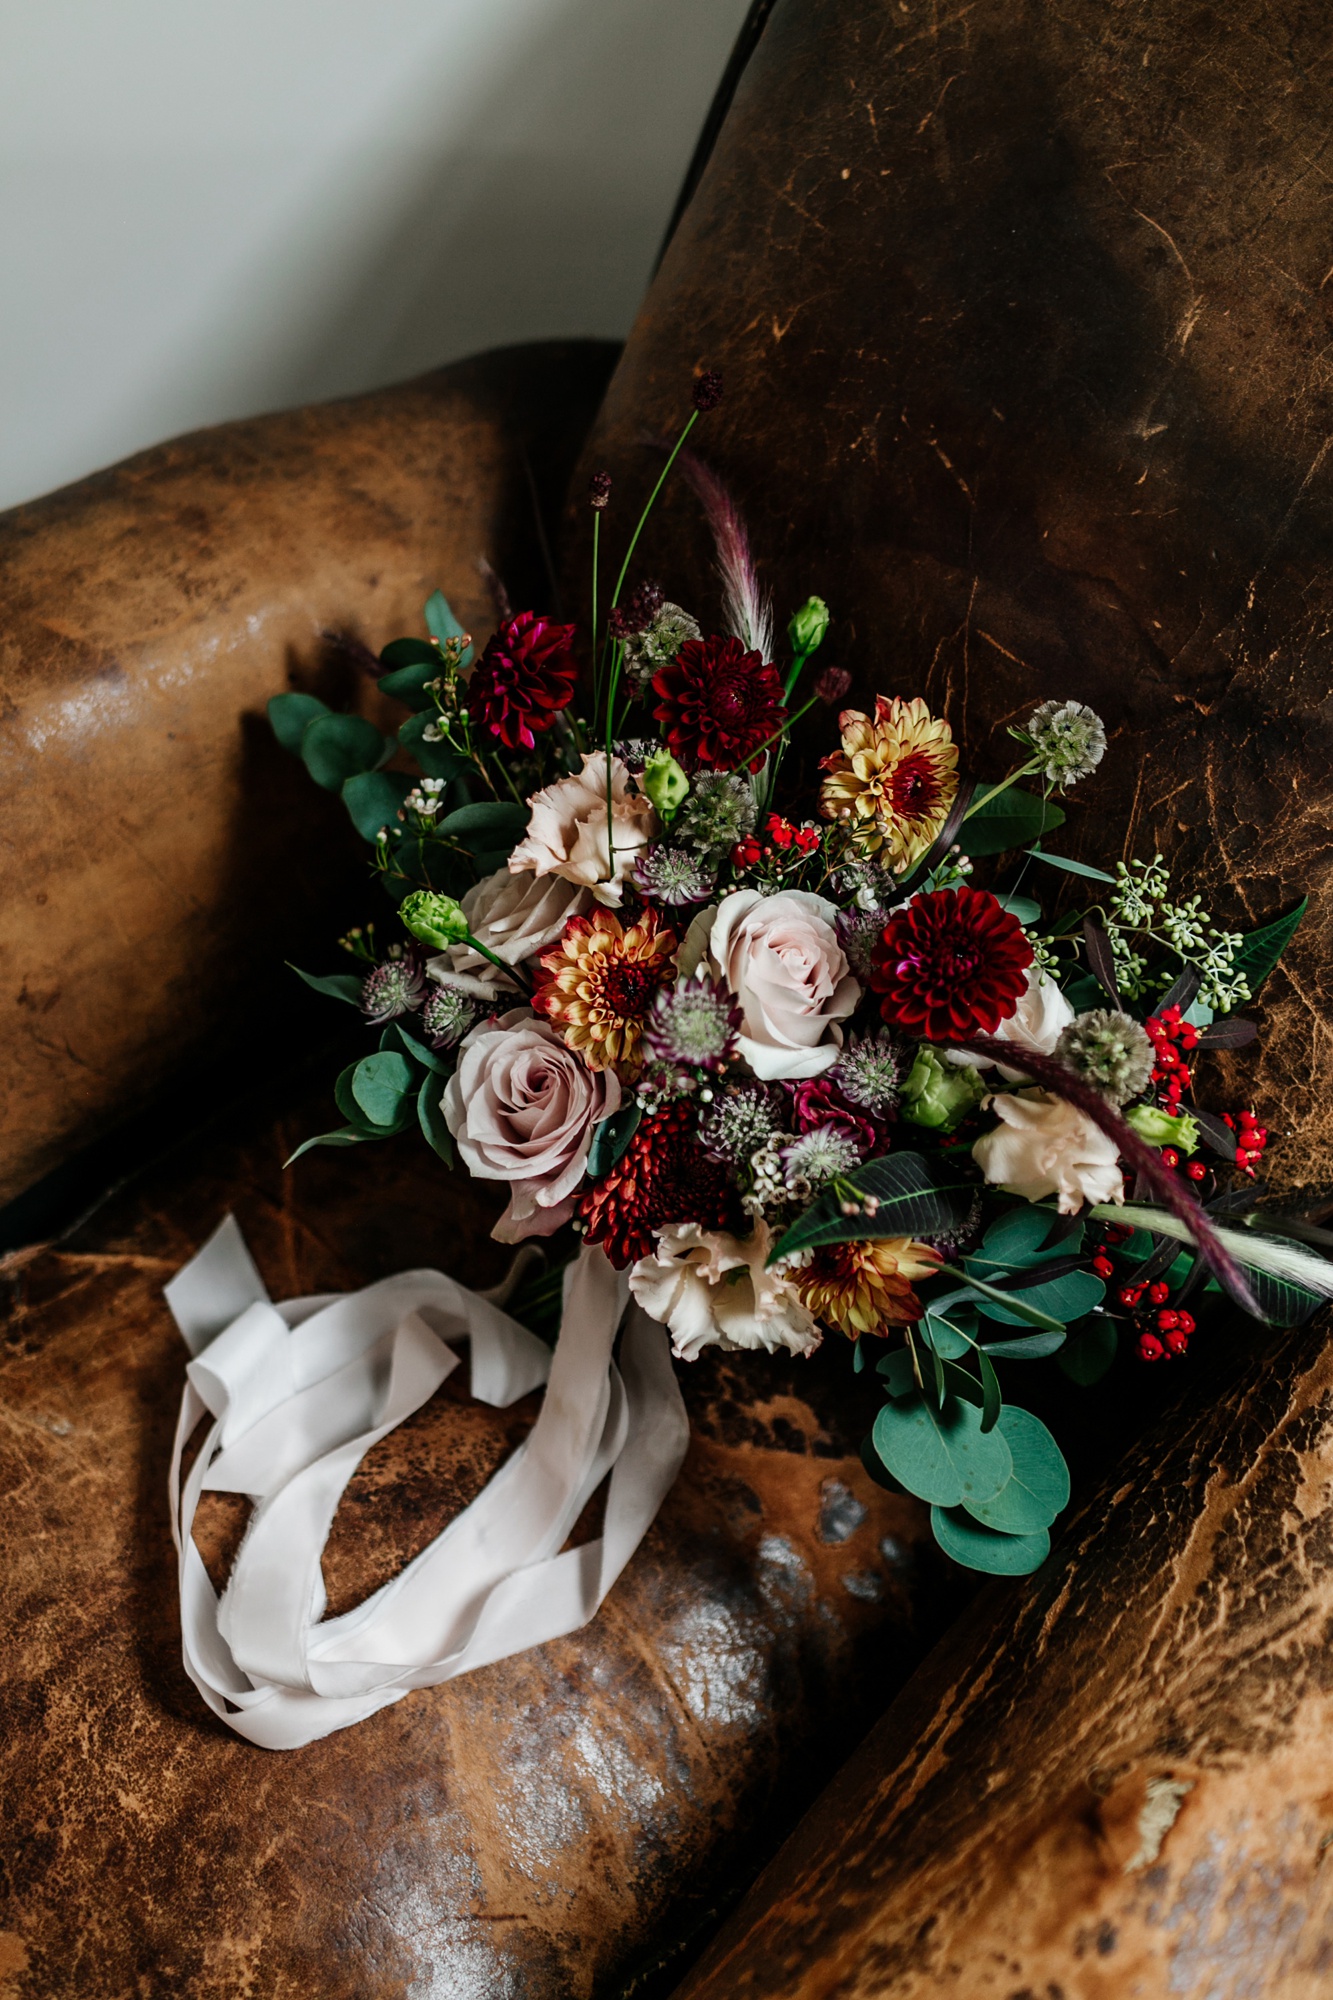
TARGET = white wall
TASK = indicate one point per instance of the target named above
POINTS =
(214, 207)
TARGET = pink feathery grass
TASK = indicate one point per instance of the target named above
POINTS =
(749, 613)
(1064, 1082)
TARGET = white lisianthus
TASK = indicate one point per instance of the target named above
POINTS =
(568, 834)
(1043, 1146)
(1038, 1021)
(714, 1290)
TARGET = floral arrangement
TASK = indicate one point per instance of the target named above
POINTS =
(750, 1025)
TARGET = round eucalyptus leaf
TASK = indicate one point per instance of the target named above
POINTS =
(290, 714)
(942, 1455)
(335, 747)
(978, 1547)
(1038, 1488)
(379, 1085)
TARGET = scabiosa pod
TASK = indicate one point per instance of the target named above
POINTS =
(1111, 1050)
(1068, 741)
(719, 811)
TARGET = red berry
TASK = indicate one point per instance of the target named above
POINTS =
(1150, 1347)
(1197, 1171)
(1159, 1293)
(1185, 1322)
(1170, 1157)
(1130, 1294)
(1102, 1265)
(1166, 1318)
(1177, 1341)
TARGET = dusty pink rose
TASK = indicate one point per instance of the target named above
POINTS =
(781, 958)
(567, 834)
(522, 1107)
(517, 916)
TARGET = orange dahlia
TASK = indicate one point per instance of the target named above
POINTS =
(601, 983)
(865, 1287)
(894, 781)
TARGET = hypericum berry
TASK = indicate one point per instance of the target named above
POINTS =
(1197, 1171)
(1130, 1295)
(1170, 1157)
(1150, 1347)
(1167, 1319)
(1185, 1322)
(1159, 1293)
(1102, 1264)
(1176, 1341)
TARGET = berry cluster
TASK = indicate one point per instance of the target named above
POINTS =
(1172, 1038)
(1167, 1331)
(780, 837)
(1251, 1138)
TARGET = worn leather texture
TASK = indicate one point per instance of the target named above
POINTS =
(162, 855)
(545, 1827)
(1022, 313)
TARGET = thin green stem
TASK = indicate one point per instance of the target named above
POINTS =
(514, 971)
(779, 733)
(1023, 771)
(691, 421)
(596, 543)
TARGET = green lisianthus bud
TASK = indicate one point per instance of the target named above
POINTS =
(938, 1093)
(806, 631)
(1159, 1128)
(435, 919)
(665, 784)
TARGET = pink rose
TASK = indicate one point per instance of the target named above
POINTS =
(517, 916)
(522, 1107)
(567, 833)
(781, 958)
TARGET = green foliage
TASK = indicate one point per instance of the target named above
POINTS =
(1024, 908)
(430, 1117)
(611, 1137)
(335, 747)
(977, 1547)
(1069, 867)
(289, 715)
(942, 1455)
(347, 1135)
(1262, 949)
(1089, 1351)
(381, 1084)
(437, 760)
(1011, 819)
(1037, 1489)
(915, 1197)
(336, 985)
(442, 625)
(491, 823)
(373, 799)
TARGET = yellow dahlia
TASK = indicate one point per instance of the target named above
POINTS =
(865, 1287)
(601, 980)
(894, 780)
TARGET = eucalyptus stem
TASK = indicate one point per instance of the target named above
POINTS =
(1023, 771)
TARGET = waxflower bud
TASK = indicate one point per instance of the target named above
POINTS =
(664, 783)
(437, 920)
(807, 628)
(937, 1094)
(1159, 1128)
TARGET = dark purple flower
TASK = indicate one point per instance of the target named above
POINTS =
(599, 490)
(707, 391)
(818, 1103)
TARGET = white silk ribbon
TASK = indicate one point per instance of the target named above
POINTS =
(299, 1392)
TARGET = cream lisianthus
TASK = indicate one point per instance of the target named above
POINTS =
(1043, 1146)
(1037, 1023)
(714, 1290)
(568, 833)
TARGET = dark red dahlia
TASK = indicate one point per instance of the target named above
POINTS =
(819, 1102)
(718, 704)
(951, 965)
(663, 1176)
(524, 677)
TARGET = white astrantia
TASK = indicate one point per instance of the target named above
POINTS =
(711, 1289)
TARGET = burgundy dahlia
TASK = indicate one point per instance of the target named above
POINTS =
(524, 677)
(663, 1176)
(952, 964)
(818, 1104)
(718, 704)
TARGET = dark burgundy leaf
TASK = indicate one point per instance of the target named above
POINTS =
(1101, 960)
(1230, 1034)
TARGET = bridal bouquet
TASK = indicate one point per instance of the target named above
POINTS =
(748, 1024)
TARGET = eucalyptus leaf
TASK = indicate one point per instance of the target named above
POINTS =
(289, 716)
(380, 1083)
(349, 1135)
(896, 1369)
(373, 799)
(1025, 908)
(987, 1298)
(610, 1138)
(430, 1117)
(442, 625)
(1067, 1297)
(978, 1547)
(437, 760)
(941, 1455)
(498, 819)
(401, 653)
(1027, 1347)
(412, 1047)
(875, 1466)
(992, 1404)
(1071, 867)
(336, 985)
(1089, 1351)
(1038, 1488)
(1011, 819)
(942, 1337)
(335, 747)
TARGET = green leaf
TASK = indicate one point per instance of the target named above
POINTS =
(986, 1298)
(915, 1198)
(1263, 948)
(430, 1116)
(350, 1135)
(380, 1083)
(412, 1047)
(1023, 907)
(944, 1337)
(941, 1455)
(437, 760)
(1089, 1351)
(610, 1138)
(334, 747)
(289, 715)
(1281, 1301)
(442, 625)
(401, 653)
(993, 1402)
(1038, 1488)
(1084, 992)
(896, 1369)
(1071, 867)
(1011, 819)
(373, 799)
(1067, 1297)
(500, 822)
(976, 1547)
(337, 985)
(1018, 1238)
(1028, 1347)
(408, 685)
(874, 1465)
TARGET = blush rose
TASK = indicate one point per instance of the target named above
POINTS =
(781, 958)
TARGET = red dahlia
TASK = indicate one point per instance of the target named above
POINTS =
(718, 704)
(525, 675)
(951, 965)
(663, 1176)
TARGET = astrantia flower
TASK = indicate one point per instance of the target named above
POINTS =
(448, 1015)
(524, 677)
(870, 1071)
(813, 1159)
(719, 811)
(694, 1024)
(866, 1286)
(1111, 1050)
(672, 875)
(601, 982)
(718, 705)
(951, 965)
(662, 1176)
(396, 987)
(740, 1120)
(1069, 739)
(859, 931)
(894, 780)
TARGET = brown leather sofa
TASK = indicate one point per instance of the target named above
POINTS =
(1021, 313)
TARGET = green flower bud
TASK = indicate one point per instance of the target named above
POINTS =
(938, 1093)
(665, 784)
(1159, 1128)
(806, 631)
(437, 920)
